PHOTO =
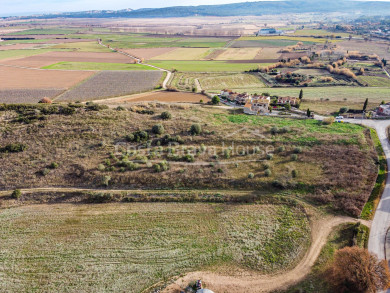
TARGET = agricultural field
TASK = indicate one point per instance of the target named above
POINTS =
(161, 96)
(27, 95)
(238, 54)
(82, 47)
(206, 66)
(53, 31)
(50, 58)
(149, 53)
(271, 153)
(73, 244)
(97, 66)
(375, 81)
(20, 53)
(305, 40)
(237, 81)
(319, 32)
(107, 84)
(183, 54)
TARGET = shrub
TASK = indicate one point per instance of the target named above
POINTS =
(270, 157)
(101, 167)
(53, 165)
(45, 101)
(215, 100)
(328, 121)
(195, 129)
(16, 194)
(227, 153)
(343, 110)
(356, 270)
(106, 180)
(166, 115)
(294, 173)
(274, 130)
(45, 172)
(297, 150)
(120, 108)
(251, 175)
(294, 157)
(101, 197)
(281, 149)
(268, 173)
(138, 136)
(13, 148)
(158, 129)
(219, 170)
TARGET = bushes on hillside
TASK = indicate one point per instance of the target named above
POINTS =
(13, 148)
(195, 129)
(158, 129)
(356, 270)
(166, 115)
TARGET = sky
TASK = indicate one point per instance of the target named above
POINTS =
(23, 7)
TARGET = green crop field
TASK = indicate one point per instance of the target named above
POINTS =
(54, 31)
(97, 66)
(82, 47)
(375, 81)
(129, 247)
(206, 66)
(237, 81)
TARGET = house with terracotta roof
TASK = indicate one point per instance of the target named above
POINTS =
(257, 105)
(288, 100)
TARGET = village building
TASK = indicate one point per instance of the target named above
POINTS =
(257, 105)
(288, 100)
(384, 110)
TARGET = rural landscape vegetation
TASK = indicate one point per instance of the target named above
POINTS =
(135, 157)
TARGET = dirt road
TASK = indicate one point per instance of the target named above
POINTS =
(250, 282)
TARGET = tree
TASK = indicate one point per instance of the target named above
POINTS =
(365, 105)
(384, 62)
(356, 270)
(215, 100)
(308, 113)
(301, 94)
(287, 106)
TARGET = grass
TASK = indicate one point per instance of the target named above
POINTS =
(96, 66)
(342, 237)
(83, 47)
(206, 66)
(129, 247)
(370, 207)
(319, 32)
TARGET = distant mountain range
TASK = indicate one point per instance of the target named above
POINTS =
(236, 9)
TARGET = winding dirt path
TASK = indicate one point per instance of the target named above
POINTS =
(250, 282)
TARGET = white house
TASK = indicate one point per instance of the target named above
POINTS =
(384, 110)
(258, 105)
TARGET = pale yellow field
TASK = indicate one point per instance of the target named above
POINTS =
(238, 54)
(268, 53)
(183, 54)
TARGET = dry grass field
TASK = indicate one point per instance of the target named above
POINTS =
(17, 46)
(129, 247)
(183, 54)
(148, 53)
(238, 54)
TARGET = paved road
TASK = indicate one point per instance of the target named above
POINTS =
(381, 222)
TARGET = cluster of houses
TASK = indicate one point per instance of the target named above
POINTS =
(383, 110)
(256, 104)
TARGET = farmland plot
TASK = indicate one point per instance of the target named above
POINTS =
(112, 84)
(238, 54)
(236, 81)
(183, 54)
(129, 247)
(148, 53)
(18, 96)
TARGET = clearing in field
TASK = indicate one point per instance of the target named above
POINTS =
(50, 58)
(97, 66)
(238, 54)
(268, 53)
(129, 247)
(183, 54)
(107, 84)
